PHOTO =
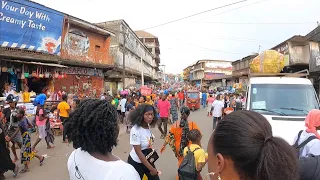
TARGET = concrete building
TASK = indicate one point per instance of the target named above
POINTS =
(152, 43)
(135, 50)
(206, 73)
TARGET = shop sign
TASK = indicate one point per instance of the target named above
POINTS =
(81, 71)
(219, 65)
(31, 26)
(29, 108)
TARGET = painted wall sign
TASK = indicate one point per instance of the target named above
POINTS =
(31, 26)
(77, 43)
(81, 71)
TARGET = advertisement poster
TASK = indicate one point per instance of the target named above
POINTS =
(30, 26)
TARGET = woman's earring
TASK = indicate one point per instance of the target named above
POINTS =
(208, 176)
(219, 178)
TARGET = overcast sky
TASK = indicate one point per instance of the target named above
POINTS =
(225, 34)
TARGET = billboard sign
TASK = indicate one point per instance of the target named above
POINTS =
(30, 26)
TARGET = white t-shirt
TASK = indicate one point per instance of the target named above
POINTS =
(312, 147)
(123, 104)
(217, 108)
(95, 169)
(142, 137)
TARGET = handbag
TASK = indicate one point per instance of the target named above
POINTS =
(151, 155)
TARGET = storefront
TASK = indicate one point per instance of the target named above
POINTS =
(80, 81)
(16, 75)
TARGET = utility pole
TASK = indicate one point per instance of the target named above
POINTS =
(142, 76)
(124, 61)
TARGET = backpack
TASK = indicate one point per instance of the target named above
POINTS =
(309, 167)
(299, 146)
(187, 169)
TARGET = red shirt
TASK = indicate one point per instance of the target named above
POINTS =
(181, 95)
(164, 108)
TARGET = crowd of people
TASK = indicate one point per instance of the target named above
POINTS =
(241, 145)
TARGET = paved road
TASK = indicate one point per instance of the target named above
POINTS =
(55, 164)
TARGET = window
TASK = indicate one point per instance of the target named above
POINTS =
(97, 48)
(289, 99)
(150, 50)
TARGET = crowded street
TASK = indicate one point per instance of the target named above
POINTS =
(150, 90)
(55, 165)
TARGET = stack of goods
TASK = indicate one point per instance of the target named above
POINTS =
(269, 61)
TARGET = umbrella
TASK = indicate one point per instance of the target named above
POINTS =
(124, 92)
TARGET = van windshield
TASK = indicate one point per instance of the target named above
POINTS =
(193, 95)
(283, 99)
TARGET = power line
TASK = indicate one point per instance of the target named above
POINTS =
(196, 14)
(237, 8)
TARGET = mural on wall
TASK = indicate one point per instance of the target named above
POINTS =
(77, 43)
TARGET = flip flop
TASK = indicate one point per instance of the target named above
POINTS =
(51, 147)
(41, 161)
(16, 171)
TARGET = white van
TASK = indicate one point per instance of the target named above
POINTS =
(283, 101)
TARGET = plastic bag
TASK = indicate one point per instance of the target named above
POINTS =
(269, 61)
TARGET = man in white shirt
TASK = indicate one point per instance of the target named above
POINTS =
(218, 106)
(123, 102)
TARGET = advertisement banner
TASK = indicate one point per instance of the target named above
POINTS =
(30, 26)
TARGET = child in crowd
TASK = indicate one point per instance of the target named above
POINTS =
(200, 155)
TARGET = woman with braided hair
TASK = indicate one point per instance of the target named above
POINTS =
(178, 134)
(93, 129)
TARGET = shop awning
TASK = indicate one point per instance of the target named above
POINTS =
(37, 63)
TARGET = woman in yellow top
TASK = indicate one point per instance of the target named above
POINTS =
(26, 95)
(200, 155)
(149, 101)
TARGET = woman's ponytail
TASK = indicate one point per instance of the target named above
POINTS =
(277, 161)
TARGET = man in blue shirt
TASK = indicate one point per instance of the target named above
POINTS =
(204, 99)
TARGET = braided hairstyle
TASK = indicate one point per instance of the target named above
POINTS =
(93, 126)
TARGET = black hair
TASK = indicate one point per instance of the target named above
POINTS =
(64, 97)
(246, 138)
(20, 110)
(93, 126)
(194, 135)
(185, 109)
(77, 101)
(137, 116)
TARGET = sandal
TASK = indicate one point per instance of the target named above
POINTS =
(51, 147)
(41, 161)
(24, 171)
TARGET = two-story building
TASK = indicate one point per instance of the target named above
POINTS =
(57, 52)
(85, 49)
(126, 44)
(206, 73)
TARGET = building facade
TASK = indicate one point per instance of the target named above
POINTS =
(85, 48)
(138, 58)
(57, 52)
(208, 73)
(152, 43)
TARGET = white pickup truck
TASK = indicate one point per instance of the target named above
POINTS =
(283, 101)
